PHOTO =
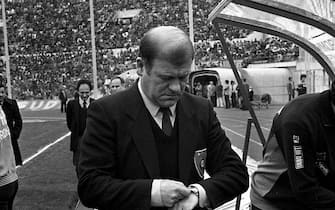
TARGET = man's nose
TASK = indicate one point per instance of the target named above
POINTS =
(175, 85)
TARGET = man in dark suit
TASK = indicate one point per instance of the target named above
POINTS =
(14, 121)
(63, 99)
(147, 147)
(76, 116)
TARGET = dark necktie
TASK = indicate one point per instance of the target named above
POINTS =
(85, 105)
(166, 122)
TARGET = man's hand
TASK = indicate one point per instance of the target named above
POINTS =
(173, 191)
(187, 203)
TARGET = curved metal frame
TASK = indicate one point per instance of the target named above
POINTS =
(276, 31)
(280, 9)
(290, 12)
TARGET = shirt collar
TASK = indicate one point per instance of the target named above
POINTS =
(153, 109)
(81, 102)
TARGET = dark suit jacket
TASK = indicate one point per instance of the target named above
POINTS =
(119, 160)
(72, 120)
(14, 121)
(62, 96)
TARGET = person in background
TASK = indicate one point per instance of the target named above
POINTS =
(76, 116)
(147, 147)
(219, 95)
(242, 102)
(8, 176)
(290, 89)
(14, 121)
(116, 84)
(63, 99)
(226, 92)
(298, 166)
(198, 89)
(211, 92)
(106, 85)
(302, 87)
(233, 94)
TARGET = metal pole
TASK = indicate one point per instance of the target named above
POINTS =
(94, 55)
(4, 21)
(239, 81)
(244, 157)
(191, 27)
(190, 20)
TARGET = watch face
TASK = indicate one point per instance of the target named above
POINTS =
(195, 191)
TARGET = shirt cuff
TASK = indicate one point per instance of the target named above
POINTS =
(156, 199)
(203, 201)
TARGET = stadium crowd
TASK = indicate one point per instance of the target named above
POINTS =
(50, 41)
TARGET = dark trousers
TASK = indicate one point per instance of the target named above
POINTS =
(227, 101)
(63, 106)
(213, 100)
(7, 195)
(290, 97)
(76, 160)
(233, 100)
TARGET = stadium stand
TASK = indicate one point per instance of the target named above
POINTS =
(50, 43)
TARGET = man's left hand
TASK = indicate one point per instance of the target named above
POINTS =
(187, 203)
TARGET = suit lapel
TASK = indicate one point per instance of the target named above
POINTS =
(187, 139)
(77, 113)
(142, 132)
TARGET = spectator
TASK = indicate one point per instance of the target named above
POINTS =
(290, 89)
(76, 117)
(198, 89)
(302, 88)
(63, 99)
(233, 94)
(117, 84)
(219, 94)
(8, 176)
(211, 93)
(14, 121)
(242, 101)
(227, 92)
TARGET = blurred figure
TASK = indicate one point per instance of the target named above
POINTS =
(106, 86)
(302, 87)
(63, 99)
(211, 93)
(226, 93)
(242, 102)
(290, 89)
(251, 93)
(219, 95)
(14, 121)
(76, 116)
(116, 84)
(8, 176)
(198, 89)
(233, 94)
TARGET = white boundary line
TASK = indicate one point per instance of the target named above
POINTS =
(40, 151)
(240, 135)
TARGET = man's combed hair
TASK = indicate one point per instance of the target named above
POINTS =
(84, 81)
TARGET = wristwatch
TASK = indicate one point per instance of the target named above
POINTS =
(195, 191)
